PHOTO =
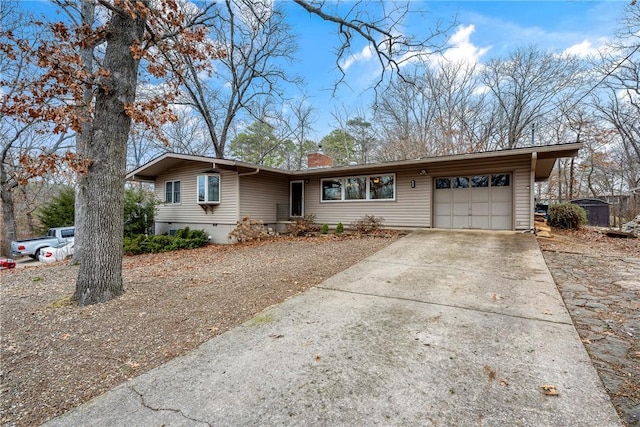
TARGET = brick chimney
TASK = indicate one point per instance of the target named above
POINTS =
(319, 160)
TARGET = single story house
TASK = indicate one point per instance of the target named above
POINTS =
(488, 190)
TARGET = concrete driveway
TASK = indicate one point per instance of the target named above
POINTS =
(440, 328)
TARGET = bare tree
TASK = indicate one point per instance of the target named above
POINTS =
(188, 135)
(440, 112)
(256, 41)
(618, 104)
(299, 124)
(404, 113)
(525, 86)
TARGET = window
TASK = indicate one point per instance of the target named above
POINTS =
(460, 182)
(443, 183)
(172, 192)
(370, 187)
(209, 189)
(480, 181)
(65, 234)
(355, 189)
(501, 180)
(381, 187)
(331, 189)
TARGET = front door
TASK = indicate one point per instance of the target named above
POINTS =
(296, 202)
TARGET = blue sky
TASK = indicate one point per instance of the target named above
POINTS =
(484, 30)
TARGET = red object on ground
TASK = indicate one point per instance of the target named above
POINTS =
(7, 263)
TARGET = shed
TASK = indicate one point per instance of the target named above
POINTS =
(597, 211)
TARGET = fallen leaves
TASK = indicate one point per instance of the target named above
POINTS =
(490, 372)
(549, 390)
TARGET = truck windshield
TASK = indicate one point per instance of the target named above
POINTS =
(51, 233)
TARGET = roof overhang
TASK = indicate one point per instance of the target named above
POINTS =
(542, 159)
(150, 171)
(546, 157)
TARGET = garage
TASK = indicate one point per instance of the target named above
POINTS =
(474, 201)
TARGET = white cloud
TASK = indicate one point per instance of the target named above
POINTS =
(364, 55)
(584, 49)
(460, 47)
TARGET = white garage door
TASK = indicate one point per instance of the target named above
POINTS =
(473, 201)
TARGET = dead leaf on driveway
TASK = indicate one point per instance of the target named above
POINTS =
(549, 390)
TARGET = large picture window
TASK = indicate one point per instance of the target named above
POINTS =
(354, 188)
(172, 192)
(209, 189)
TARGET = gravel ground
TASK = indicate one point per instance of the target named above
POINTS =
(599, 280)
(55, 355)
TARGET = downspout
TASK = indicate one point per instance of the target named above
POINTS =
(532, 216)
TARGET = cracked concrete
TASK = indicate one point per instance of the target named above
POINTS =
(189, 420)
(440, 328)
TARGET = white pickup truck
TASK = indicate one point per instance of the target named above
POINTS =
(31, 247)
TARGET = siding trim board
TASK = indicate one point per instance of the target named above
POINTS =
(256, 191)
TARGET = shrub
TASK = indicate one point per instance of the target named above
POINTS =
(188, 239)
(324, 229)
(139, 211)
(303, 225)
(367, 224)
(250, 229)
(339, 228)
(60, 211)
(567, 216)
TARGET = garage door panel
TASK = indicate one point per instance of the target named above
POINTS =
(501, 208)
(461, 208)
(442, 221)
(443, 209)
(460, 221)
(461, 195)
(480, 222)
(479, 194)
(501, 194)
(501, 222)
(480, 208)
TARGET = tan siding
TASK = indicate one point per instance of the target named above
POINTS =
(410, 209)
(522, 198)
(188, 211)
(261, 193)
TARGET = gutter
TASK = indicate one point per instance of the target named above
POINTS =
(250, 173)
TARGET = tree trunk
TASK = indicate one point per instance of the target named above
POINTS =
(9, 230)
(82, 139)
(100, 273)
